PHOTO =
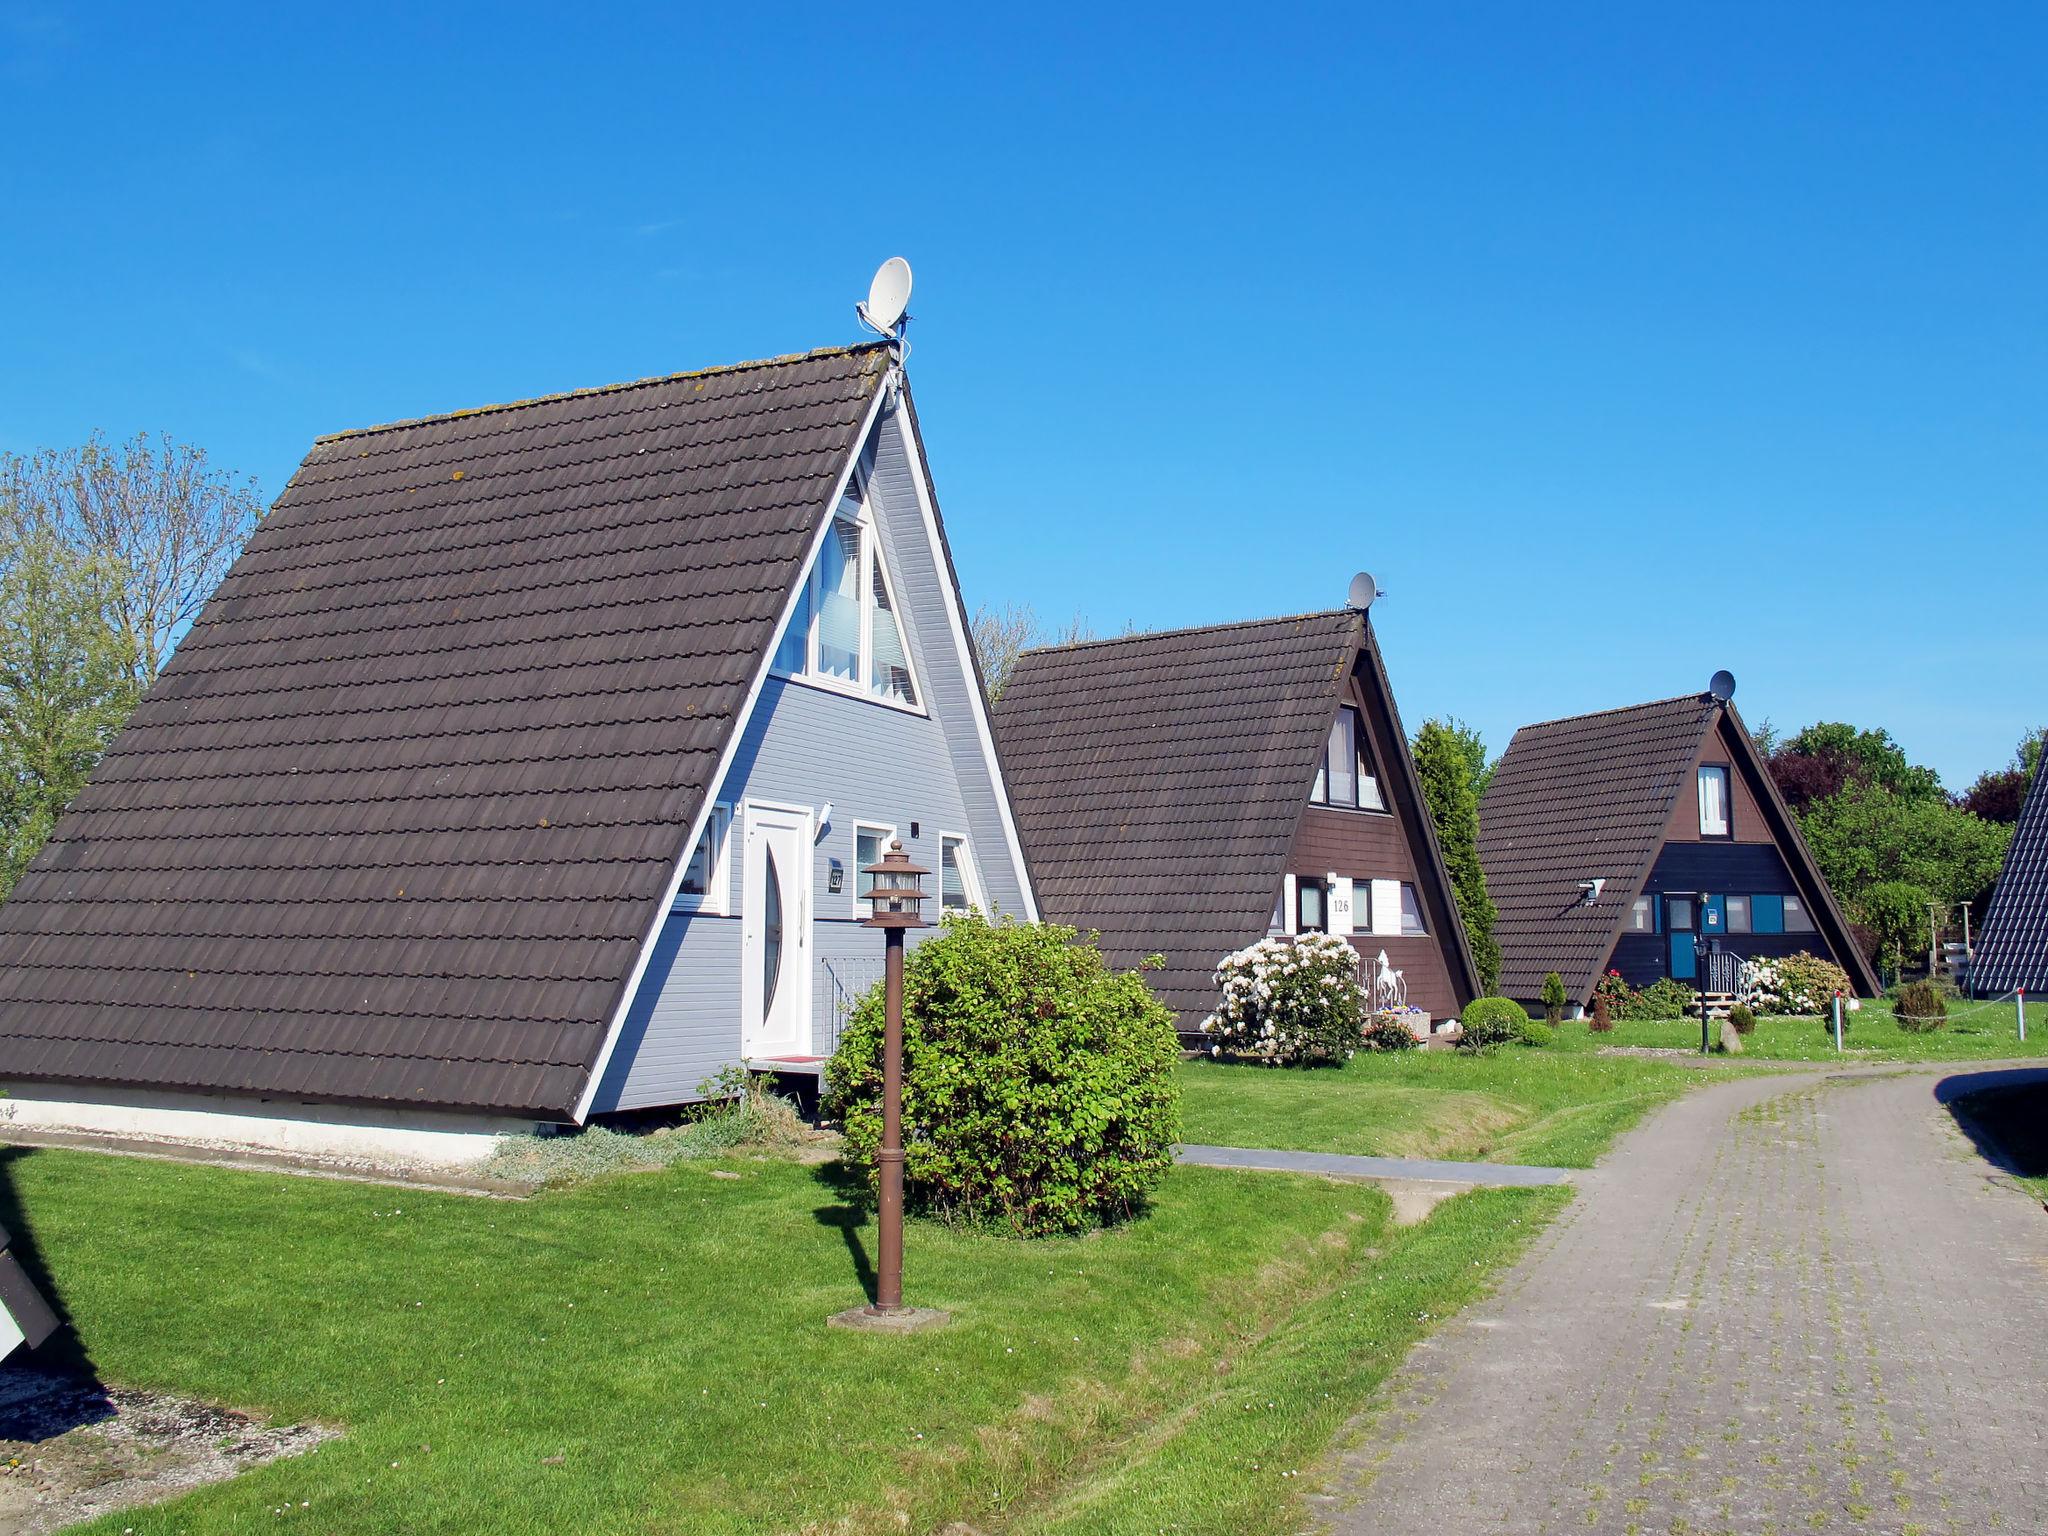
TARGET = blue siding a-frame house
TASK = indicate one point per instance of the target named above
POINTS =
(521, 770)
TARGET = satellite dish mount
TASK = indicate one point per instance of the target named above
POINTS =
(886, 309)
(1721, 688)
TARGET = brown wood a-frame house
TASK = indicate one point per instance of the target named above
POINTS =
(1627, 840)
(1190, 792)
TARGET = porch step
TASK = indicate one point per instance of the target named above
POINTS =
(1717, 1003)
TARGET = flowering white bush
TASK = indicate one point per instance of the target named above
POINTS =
(1288, 1001)
(1794, 984)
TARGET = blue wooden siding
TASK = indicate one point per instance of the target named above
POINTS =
(873, 765)
(1721, 869)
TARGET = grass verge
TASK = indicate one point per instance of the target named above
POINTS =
(1975, 1032)
(1515, 1104)
(649, 1352)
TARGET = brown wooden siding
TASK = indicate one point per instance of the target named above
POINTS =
(1750, 826)
(1370, 845)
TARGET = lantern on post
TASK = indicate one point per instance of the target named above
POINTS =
(895, 900)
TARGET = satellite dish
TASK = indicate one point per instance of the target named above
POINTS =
(1363, 590)
(1722, 688)
(888, 296)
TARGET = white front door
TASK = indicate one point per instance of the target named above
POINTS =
(775, 932)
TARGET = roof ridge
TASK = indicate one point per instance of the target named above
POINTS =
(1187, 629)
(431, 417)
(1619, 709)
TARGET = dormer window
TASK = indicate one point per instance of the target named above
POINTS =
(1346, 777)
(846, 633)
(1714, 800)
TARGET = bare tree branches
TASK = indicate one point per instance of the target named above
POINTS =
(152, 508)
(1003, 634)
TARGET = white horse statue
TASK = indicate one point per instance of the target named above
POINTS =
(1389, 987)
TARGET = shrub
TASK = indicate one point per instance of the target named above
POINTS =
(1553, 999)
(1799, 984)
(1617, 994)
(1387, 1031)
(1919, 1008)
(1289, 1002)
(1491, 1021)
(1603, 1019)
(1534, 1032)
(1664, 998)
(738, 1111)
(1038, 1084)
(1742, 1018)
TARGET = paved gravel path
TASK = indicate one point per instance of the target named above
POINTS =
(1347, 1165)
(1785, 1304)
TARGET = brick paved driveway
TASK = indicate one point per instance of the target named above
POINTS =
(1793, 1303)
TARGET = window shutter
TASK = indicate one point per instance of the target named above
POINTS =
(1287, 903)
(1386, 908)
(1342, 920)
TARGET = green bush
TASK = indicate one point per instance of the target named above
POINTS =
(1919, 1008)
(1289, 1002)
(1663, 998)
(1554, 999)
(1038, 1085)
(1535, 1032)
(1491, 1021)
(1743, 1020)
(1616, 993)
(1386, 1032)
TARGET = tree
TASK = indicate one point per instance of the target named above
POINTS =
(1868, 836)
(1443, 764)
(1001, 635)
(1896, 912)
(2000, 793)
(67, 682)
(155, 511)
(1478, 766)
(1823, 758)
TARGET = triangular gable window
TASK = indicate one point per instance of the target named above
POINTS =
(847, 632)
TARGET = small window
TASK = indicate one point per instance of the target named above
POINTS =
(1642, 916)
(1411, 912)
(1714, 801)
(707, 881)
(1311, 906)
(959, 887)
(1278, 922)
(1797, 918)
(869, 844)
(1678, 911)
(1738, 914)
(1345, 775)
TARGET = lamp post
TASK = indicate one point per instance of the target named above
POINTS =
(1702, 961)
(894, 901)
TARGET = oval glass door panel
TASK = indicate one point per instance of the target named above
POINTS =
(771, 934)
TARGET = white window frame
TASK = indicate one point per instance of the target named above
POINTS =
(855, 507)
(1727, 829)
(717, 897)
(970, 874)
(888, 836)
(1361, 756)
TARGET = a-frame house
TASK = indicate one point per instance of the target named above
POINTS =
(521, 770)
(1189, 792)
(2012, 949)
(1630, 839)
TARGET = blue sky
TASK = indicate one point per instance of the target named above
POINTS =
(1621, 342)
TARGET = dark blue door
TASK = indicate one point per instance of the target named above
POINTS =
(1681, 922)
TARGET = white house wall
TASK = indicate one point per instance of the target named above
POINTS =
(873, 765)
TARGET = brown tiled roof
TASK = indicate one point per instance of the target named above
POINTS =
(2012, 950)
(1157, 780)
(1580, 799)
(1589, 797)
(393, 823)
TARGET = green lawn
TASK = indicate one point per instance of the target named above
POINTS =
(1975, 1032)
(1515, 1105)
(648, 1353)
